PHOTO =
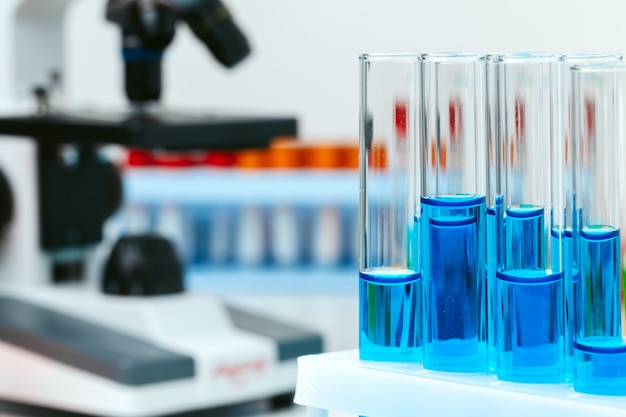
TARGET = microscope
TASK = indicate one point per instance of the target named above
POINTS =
(117, 335)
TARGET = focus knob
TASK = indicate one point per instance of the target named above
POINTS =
(6, 204)
(143, 265)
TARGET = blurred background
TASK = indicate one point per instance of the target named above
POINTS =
(304, 59)
(304, 63)
(275, 230)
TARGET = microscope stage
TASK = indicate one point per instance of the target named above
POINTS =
(151, 130)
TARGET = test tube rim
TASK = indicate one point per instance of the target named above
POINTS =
(512, 58)
(452, 57)
(599, 67)
(493, 56)
(390, 56)
(596, 57)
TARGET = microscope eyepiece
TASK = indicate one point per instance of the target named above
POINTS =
(148, 27)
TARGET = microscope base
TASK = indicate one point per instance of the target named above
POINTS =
(197, 353)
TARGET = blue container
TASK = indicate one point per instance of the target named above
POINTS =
(495, 256)
(570, 283)
(529, 174)
(390, 315)
(600, 290)
(452, 212)
(531, 341)
(600, 366)
(453, 267)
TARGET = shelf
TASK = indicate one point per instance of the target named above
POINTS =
(229, 186)
(267, 280)
(339, 383)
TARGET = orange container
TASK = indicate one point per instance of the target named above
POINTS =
(252, 159)
(285, 153)
(322, 156)
(350, 156)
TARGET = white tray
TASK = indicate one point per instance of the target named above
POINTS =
(338, 383)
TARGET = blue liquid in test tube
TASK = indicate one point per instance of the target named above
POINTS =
(495, 226)
(532, 329)
(570, 282)
(389, 313)
(454, 278)
(390, 284)
(524, 237)
(529, 284)
(600, 365)
(535, 346)
(598, 94)
(599, 269)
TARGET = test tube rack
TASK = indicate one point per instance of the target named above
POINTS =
(202, 189)
(339, 384)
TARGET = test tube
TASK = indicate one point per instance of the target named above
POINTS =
(251, 247)
(570, 268)
(495, 200)
(325, 226)
(598, 93)
(452, 212)
(529, 283)
(389, 278)
(287, 239)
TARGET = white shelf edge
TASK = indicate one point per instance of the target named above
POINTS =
(274, 280)
(339, 381)
(339, 188)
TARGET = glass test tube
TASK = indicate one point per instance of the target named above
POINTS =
(570, 268)
(529, 282)
(452, 212)
(389, 279)
(495, 200)
(598, 93)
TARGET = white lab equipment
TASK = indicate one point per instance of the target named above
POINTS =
(68, 347)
